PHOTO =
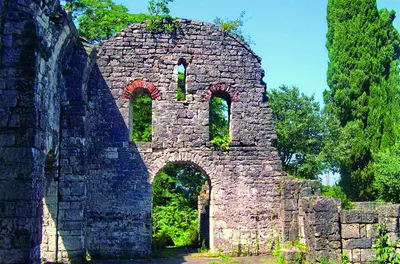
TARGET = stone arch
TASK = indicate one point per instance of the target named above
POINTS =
(205, 203)
(181, 157)
(136, 84)
(220, 88)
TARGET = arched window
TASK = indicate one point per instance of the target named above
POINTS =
(141, 116)
(219, 119)
(181, 87)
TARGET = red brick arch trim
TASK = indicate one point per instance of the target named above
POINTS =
(131, 88)
(218, 88)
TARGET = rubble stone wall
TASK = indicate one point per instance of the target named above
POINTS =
(244, 206)
(72, 183)
(34, 37)
(359, 229)
(331, 233)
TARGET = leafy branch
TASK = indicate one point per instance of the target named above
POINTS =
(234, 26)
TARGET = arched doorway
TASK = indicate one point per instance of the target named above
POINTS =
(181, 194)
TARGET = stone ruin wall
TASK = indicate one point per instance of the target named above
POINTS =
(64, 144)
(244, 180)
(330, 232)
(35, 37)
(64, 138)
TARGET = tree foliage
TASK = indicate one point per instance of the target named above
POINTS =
(175, 215)
(363, 78)
(234, 26)
(181, 91)
(387, 174)
(160, 20)
(98, 20)
(219, 122)
(301, 132)
(337, 192)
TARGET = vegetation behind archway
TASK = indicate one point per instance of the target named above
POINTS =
(175, 215)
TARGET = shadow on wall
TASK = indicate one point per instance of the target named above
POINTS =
(118, 194)
(100, 205)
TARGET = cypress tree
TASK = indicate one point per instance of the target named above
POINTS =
(363, 79)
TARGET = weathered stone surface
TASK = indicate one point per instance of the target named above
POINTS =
(357, 243)
(72, 182)
(352, 216)
(350, 231)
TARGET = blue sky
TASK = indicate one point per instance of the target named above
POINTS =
(289, 35)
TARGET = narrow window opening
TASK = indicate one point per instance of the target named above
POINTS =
(181, 89)
(219, 119)
(141, 116)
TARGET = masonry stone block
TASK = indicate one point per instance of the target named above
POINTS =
(353, 216)
(358, 243)
(351, 231)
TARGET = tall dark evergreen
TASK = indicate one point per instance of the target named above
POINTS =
(363, 77)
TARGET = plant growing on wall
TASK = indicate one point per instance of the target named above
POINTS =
(160, 20)
(234, 26)
(98, 20)
(385, 251)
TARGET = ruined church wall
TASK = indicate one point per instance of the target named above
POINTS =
(244, 180)
(34, 36)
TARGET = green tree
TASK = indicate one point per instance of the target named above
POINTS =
(301, 132)
(363, 48)
(387, 174)
(98, 20)
(175, 216)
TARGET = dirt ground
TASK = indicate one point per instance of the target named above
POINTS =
(188, 259)
(181, 255)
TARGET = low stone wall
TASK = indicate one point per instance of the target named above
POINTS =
(292, 192)
(359, 229)
(320, 228)
(329, 232)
